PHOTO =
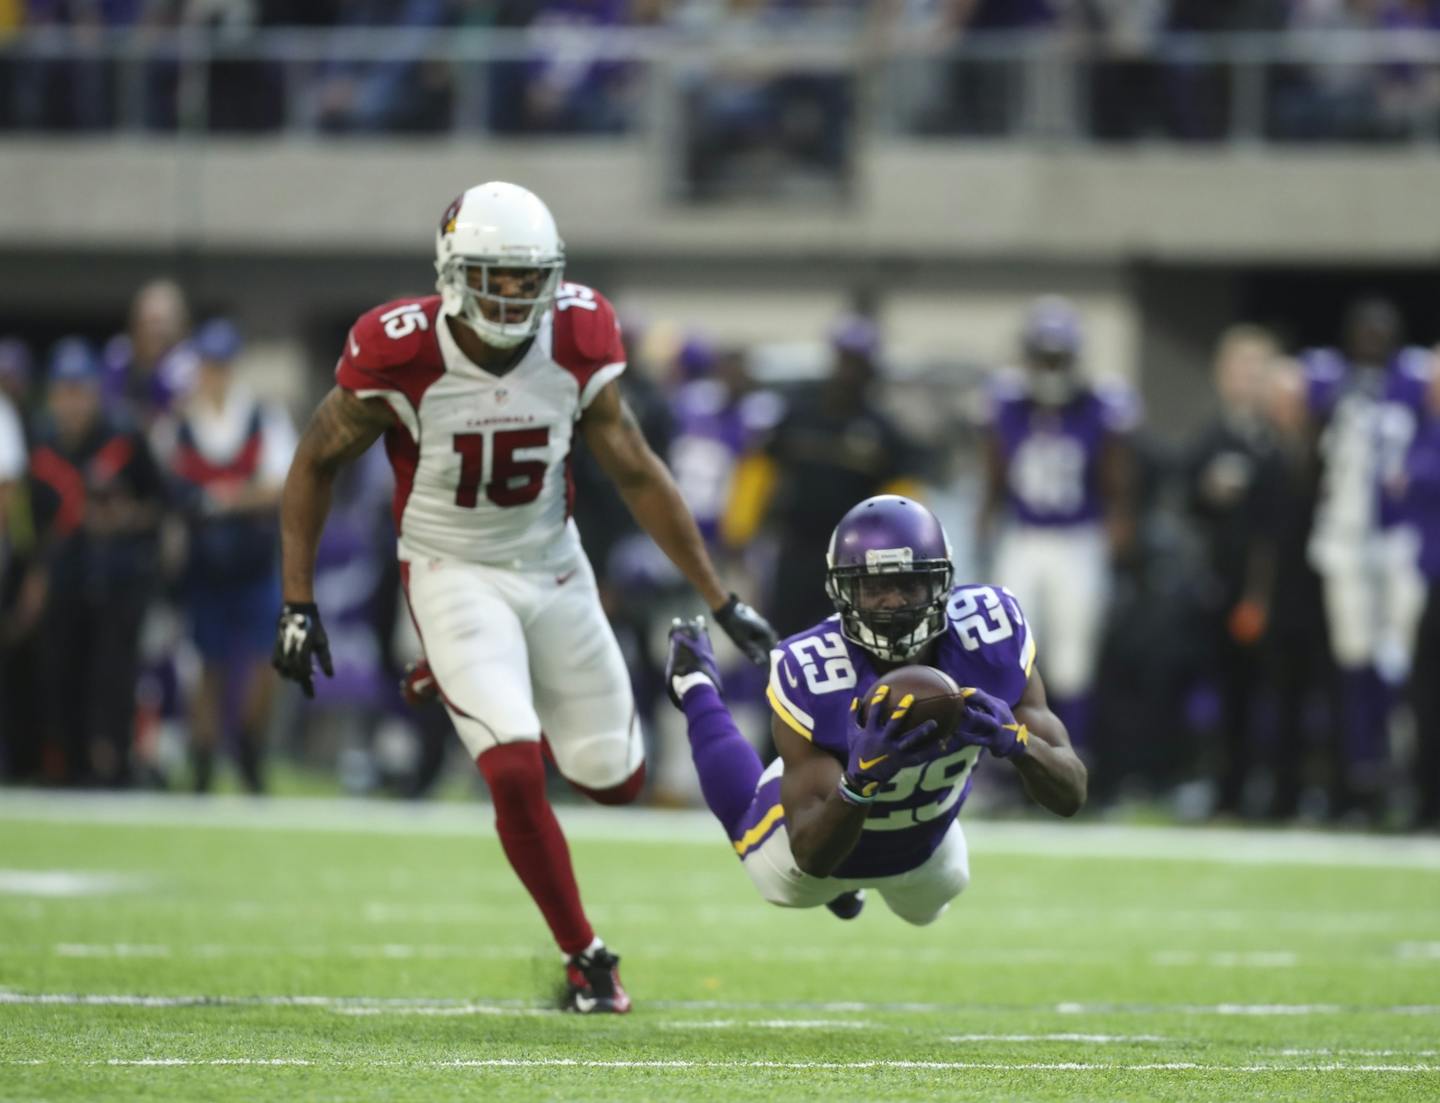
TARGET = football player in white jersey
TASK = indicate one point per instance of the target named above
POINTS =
(479, 393)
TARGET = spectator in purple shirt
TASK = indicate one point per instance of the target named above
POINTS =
(1423, 486)
(139, 374)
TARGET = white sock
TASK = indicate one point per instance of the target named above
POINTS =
(686, 682)
(595, 944)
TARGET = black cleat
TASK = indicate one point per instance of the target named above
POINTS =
(848, 904)
(691, 659)
(592, 984)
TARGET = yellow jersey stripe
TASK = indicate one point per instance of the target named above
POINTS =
(785, 714)
(756, 833)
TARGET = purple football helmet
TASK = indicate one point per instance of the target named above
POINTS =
(1051, 340)
(888, 573)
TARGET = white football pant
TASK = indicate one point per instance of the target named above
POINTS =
(520, 652)
(1374, 595)
(1061, 577)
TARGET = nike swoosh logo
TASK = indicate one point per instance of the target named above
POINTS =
(561, 579)
(865, 764)
(794, 683)
(354, 346)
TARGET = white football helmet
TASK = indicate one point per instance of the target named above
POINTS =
(495, 226)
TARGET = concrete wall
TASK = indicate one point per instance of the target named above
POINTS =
(911, 199)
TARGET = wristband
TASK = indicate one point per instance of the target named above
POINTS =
(853, 796)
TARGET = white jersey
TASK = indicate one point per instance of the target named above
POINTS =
(482, 461)
(12, 443)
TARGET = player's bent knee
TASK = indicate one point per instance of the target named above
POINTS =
(607, 768)
(624, 793)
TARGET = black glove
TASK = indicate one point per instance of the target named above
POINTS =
(299, 635)
(747, 629)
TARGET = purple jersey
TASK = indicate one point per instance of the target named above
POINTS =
(1370, 418)
(816, 674)
(143, 398)
(1422, 499)
(1052, 454)
(712, 432)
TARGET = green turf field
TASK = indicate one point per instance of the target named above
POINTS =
(319, 950)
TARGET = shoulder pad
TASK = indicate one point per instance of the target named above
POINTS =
(1007, 384)
(393, 334)
(991, 630)
(1323, 364)
(1121, 408)
(812, 676)
(1416, 362)
(392, 350)
(586, 338)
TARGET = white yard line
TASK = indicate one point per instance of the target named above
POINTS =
(1070, 841)
(1227, 959)
(860, 1065)
(381, 1004)
(435, 951)
(766, 1024)
(1089, 1039)
(65, 883)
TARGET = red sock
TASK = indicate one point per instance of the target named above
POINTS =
(533, 842)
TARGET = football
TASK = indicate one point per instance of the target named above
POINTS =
(936, 697)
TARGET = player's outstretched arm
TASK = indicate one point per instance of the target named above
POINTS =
(823, 826)
(644, 482)
(1050, 770)
(341, 428)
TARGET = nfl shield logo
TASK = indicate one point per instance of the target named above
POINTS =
(501, 395)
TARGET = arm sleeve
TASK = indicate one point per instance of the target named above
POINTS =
(783, 692)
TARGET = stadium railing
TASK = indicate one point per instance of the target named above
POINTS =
(1031, 87)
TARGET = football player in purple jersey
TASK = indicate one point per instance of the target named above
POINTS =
(1365, 400)
(1057, 496)
(857, 801)
(1422, 477)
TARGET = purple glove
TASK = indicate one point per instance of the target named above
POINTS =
(989, 723)
(879, 747)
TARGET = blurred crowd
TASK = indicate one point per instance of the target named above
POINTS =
(1241, 622)
(1133, 75)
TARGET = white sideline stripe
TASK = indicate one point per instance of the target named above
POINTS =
(443, 1012)
(581, 1063)
(432, 952)
(518, 1007)
(767, 1024)
(1231, 846)
(1096, 1039)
